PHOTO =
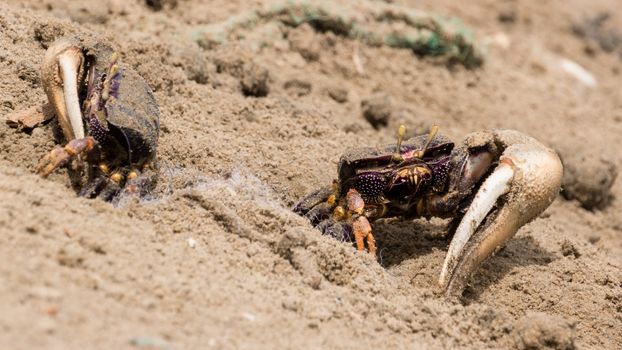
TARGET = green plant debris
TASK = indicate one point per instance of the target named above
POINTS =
(375, 24)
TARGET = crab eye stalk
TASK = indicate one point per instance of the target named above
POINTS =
(114, 70)
(431, 135)
(62, 72)
(401, 131)
(413, 175)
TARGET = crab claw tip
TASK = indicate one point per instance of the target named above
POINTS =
(529, 176)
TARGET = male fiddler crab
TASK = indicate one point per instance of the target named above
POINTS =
(107, 114)
(494, 183)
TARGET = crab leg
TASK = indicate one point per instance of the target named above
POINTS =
(62, 70)
(60, 156)
(524, 184)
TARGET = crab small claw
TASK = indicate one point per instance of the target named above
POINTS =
(361, 227)
(524, 184)
(62, 71)
(362, 232)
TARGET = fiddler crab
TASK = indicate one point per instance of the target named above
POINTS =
(107, 114)
(494, 183)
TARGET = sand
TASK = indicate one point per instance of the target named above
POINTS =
(257, 117)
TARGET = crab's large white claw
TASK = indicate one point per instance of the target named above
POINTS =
(524, 184)
(61, 73)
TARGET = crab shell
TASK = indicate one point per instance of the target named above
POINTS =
(376, 158)
(131, 114)
(364, 167)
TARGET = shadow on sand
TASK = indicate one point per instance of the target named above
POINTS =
(400, 241)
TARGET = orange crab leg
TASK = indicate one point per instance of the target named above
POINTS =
(362, 231)
(60, 156)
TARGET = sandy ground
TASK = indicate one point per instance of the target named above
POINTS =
(251, 124)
